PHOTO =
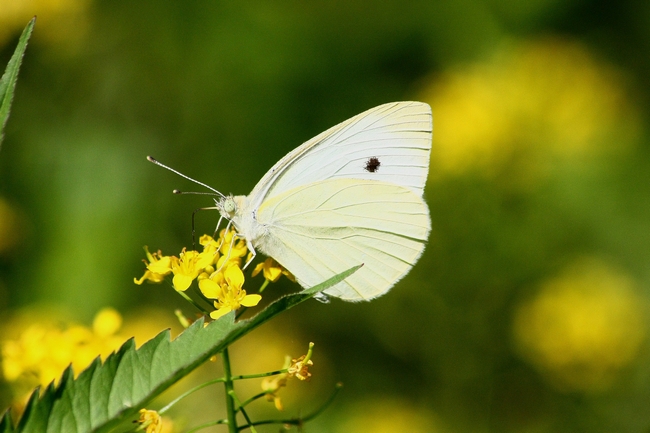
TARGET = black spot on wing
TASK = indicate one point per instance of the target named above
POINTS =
(372, 164)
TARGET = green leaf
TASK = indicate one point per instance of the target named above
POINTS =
(104, 395)
(9, 78)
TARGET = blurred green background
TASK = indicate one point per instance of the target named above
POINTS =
(527, 311)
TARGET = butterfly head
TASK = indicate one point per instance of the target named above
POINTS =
(227, 206)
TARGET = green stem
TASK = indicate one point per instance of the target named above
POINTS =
(264, 284)
(207, 424)
(185, 394)
(258, 375)
(191, 301)
(297, 421)
(230, 401)
(253, 398)
(243, 411)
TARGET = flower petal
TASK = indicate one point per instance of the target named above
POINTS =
(210, 289)
(220, 312)
(234, 276)
(251, 300)
(182, 282)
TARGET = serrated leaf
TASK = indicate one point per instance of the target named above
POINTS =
(10, 76)
(6, 425)
(104, 395)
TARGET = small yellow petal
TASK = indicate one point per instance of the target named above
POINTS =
(234, 276)
(161, 266)
(220, 312)
(258, 269)
(182, 282)
(251, 300)
(210, 289)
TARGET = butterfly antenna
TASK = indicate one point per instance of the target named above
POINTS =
(179, 192)
(160, 164)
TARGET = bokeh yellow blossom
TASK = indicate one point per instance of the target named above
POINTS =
(272, 386)
(526, 109)
(387, 416)
(41, 352)
(59, 21)
(582, 327)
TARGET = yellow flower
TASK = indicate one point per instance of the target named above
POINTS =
(232, 248)
(582, 327)
(43, 350)
(63, 21)
(272, 270)
(188, 267)
(271, 385)
(151, 421)
(210, 245)
(299, 367)
(530, 108)
(157, 268)
(226, 289)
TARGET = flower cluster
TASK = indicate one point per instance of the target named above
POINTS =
(150, 421)
(218, 270)
(297, 367)
(583, 327)
(42, 351)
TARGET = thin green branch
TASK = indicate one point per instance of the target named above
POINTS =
(191, 301)
(241, 408)
(301, 420)
(208, 424)
(258, 375)
(255, 397)
(185, 394)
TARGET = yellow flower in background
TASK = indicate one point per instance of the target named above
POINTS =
(272, 386)
(526, 109)
(45, 348)
(582, 327)
(38, 344)
(387, 415)
(59, 21)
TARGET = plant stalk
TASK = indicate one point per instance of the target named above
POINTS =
(230, 401)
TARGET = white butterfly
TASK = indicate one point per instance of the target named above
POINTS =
(351, 195)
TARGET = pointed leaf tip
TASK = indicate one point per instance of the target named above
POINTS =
(10, 76)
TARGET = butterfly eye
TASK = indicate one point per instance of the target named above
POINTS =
(229, 206)
(372, 164)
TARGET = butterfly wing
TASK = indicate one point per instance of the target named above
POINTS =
(389, 143)
(323, 228)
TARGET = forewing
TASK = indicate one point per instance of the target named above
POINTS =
(323, 228)
(389, 143)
